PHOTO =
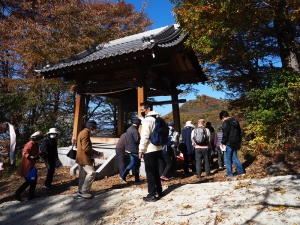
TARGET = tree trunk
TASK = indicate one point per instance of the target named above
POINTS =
(286, 37)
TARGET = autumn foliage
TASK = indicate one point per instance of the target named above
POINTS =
(251, 51)
(37, 33)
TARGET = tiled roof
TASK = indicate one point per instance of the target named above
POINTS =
(162, 37)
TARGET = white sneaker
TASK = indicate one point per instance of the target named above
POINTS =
(83, 195)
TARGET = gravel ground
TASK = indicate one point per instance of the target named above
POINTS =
(273, 200)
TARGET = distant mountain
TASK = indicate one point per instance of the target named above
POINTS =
(203, 107)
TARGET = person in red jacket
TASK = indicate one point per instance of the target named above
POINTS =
(29, 157)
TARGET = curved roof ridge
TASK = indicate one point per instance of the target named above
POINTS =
(134, 37)
(167, 36)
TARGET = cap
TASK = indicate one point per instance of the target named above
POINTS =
(136, 121)
(90, 123)
(201, 120)
(171, 124)
(37, 134)
(52, 131)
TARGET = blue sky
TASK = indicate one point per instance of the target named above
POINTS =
(161, 12)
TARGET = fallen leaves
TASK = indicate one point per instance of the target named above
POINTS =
(186, 206)
(243, 185)
(279, 208)
(278, 189)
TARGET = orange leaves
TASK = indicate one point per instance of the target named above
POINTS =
(51, 30)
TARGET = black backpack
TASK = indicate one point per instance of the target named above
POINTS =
(160, 133)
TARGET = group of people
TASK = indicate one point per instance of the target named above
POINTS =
(160, 160)
(196, 144)
(46, 148)
(225, 144)
(128, 144)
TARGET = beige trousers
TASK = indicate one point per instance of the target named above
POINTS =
(86, 177)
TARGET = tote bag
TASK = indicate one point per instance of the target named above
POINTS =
(32, 175)
(72, 153)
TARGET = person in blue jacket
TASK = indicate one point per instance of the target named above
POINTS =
(189, 154)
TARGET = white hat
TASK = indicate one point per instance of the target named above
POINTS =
(189, 124)
(52, 131)
(36, 134)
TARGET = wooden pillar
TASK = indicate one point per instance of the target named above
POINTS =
(78, 116)
(141, 98)
(175, 109)
(120, 118)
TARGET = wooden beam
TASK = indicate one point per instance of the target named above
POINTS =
(153, 93)
(175, 109)
(176, 101)
(78, 116)
(141, 98)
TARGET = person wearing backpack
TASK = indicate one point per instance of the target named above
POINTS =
(151, 153)
(49, 155)
(201, 141)
(232, 140)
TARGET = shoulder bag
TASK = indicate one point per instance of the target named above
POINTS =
(72, 153)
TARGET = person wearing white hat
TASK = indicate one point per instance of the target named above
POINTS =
(50, 155)
(29, 157)
(189, 154)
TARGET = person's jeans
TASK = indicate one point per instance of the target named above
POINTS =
(86, 177)
(152, 172)
(199, 152)
(231, 156)
(134, 162)
(165, 165)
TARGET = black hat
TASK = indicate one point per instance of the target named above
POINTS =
(137, 121)
(90, 123)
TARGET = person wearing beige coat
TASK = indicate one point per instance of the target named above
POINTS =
(151, 153)
(85, 159)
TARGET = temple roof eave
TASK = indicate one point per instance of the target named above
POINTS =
(164, 37)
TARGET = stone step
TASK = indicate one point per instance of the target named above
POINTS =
(106, 165)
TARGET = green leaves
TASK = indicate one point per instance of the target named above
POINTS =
(274, 110)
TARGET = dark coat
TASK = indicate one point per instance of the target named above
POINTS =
(186, 138)
(49, 148)
(121, 142)
(231, 133)
(132, 139)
